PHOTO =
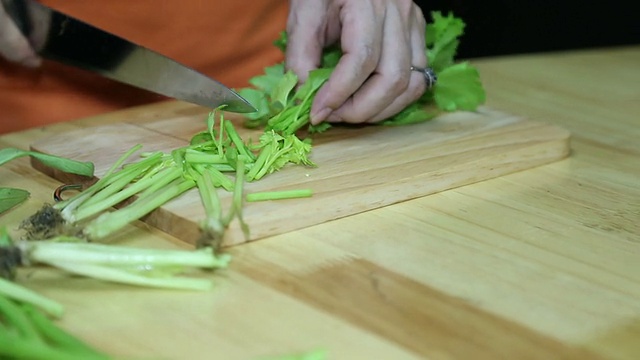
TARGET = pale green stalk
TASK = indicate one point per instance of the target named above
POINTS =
(94, 253)
(111, 222)
(171, 173)
(123, 276)
(279, 195)
(200, 157)
(21, 293)
(129, 174)
(67, 207)
(237, 203)
(87, 210)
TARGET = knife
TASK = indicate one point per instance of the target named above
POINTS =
(59, 37)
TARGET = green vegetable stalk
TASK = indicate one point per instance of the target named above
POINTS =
(121, 264)
(10, 197)
(27, 333)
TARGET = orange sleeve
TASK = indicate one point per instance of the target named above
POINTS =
(230, 41)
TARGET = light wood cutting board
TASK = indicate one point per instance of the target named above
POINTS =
(358, 169)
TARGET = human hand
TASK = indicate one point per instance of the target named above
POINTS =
(14, 46)
(380, 40)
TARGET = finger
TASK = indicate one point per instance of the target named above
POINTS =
(361, 40)
(418, 41)
(415, 89)
(417, 84)
(13, 45)
(305, 36)
(391, 78)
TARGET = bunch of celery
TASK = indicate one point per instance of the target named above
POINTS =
(214, 158)
(121, 264)
(285, 109)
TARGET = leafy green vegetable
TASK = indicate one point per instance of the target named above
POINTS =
(11, 197)
(442, 40)
(458, 86)
(57, 162)
(27, 333)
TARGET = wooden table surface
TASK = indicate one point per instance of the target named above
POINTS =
(541, 264)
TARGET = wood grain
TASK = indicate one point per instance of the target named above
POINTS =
(358, 169)
(537, 264)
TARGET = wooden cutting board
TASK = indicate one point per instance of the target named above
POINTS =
(358, 169)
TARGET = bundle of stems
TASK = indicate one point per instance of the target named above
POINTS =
(215, 158)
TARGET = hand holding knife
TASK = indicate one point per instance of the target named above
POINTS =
(59, 37)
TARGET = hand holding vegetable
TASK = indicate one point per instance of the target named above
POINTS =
(380, 41)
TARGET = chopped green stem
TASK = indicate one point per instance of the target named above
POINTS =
(237, 141)
(267, 165)
(200, 157)
(129, 174)
(20, 293)
(212, 226)
(122, 159)
(169, 175)
(94, 253)
(299, 121)
(12, 314)
(279, 195)
(237, 203)
(111, 222)
(216, 177)
(209, 196)
(220, 141)
(68, 207)
(88, 210)
(265, 153)
(58, 337)
(122, 276)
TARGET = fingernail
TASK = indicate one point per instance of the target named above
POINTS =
(319, 116)
(32, 62)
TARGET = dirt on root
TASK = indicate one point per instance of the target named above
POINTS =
(46, 223)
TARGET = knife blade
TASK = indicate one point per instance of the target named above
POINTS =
(59, 37)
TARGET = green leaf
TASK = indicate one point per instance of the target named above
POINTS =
(281, 41)
(442, 39)
(316, 78)
(271, 77)
(56, 162)
(331, 56)
(11, 197)
(412, 114)
(258, 99)
(281, 92)
(459, 88)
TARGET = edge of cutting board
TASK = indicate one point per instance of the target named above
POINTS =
(517, 144)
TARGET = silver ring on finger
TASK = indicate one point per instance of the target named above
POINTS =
(430, 76)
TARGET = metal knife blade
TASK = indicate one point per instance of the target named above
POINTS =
(57, 36)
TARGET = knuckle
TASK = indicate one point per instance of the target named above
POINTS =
(369, 56)
(398, 80)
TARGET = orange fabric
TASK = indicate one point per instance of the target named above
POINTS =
(230, 41)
